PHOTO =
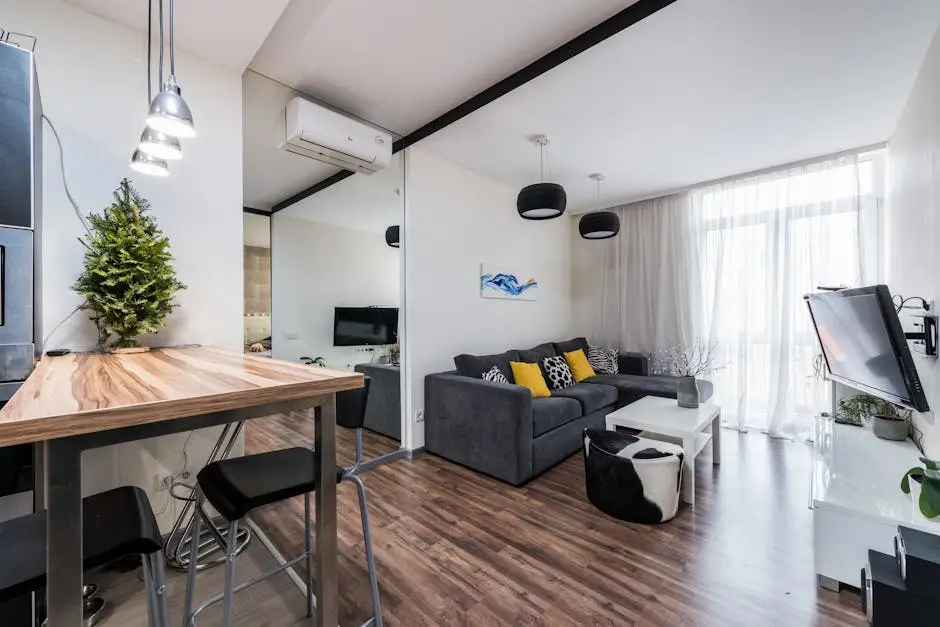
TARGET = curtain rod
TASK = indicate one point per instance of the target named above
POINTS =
(745, 175)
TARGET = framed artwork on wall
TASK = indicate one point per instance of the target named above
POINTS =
(507, 282)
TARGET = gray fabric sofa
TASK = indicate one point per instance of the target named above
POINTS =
(383, 411)
(500, 430)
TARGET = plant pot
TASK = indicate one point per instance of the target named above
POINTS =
(129, 350)
(890, 427)
(687, 395)
(915, 502)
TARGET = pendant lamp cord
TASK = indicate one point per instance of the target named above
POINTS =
(160, 4)
(541, 162)
(172, 52)
(149, 51)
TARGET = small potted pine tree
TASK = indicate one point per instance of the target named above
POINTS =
(127, 280)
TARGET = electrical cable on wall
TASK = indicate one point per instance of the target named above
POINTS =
(65, 183)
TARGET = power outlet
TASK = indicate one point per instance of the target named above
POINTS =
(419, 415)
(162, 483)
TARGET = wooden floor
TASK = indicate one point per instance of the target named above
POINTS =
(456, 548)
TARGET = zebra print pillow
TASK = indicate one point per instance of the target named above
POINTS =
(603, 360)
(494, 375)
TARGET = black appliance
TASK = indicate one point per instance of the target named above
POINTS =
(918, 561)
(365, 326)
(886, 600)
(864, 345)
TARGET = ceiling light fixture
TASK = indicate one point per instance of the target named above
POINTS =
(169, 113)
(146, 164)
(160, 145)
(393, 236)
(541, 201)
(599, 224)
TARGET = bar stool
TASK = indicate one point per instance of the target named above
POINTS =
(235, 487)
(115, 524)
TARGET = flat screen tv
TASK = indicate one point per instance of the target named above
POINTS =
(365, 326)
(864, 345)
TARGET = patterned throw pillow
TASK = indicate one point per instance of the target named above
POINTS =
(558, 373)
(494, 375)
(604, 360)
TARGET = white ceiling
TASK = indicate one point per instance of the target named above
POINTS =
(705, 89)
(209, 29)
(401, 64)
(364, 202)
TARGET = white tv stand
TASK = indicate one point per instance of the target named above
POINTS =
(856, 499)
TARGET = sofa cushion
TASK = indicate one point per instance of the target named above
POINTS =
(558, 373)
(591, 396)
(571, 345)
(536, 354)
(530, 376)
(475, 365)
(550, 413)
(633, 387)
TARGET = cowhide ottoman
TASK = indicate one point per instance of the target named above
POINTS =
(632, 478)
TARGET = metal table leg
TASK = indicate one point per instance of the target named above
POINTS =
(63, 475)
(325, 583)
(178, 541)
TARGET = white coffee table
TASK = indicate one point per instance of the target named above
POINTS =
(664, 417)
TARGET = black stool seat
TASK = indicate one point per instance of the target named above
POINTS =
(115, 524)
(238, 485)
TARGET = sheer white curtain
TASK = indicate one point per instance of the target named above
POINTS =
(729, 264)
(762, 243)
(648, 271)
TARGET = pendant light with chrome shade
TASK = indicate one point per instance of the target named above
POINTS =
(154, 147)
(393, 236)
(599, 224)
(169, 113)
(541, 201)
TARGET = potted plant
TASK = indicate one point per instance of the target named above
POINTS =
(127, 278)
(889, 421)
(923, 484)
(688, 362)
(314, 361)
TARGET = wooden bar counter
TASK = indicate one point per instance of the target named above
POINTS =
(81, 401)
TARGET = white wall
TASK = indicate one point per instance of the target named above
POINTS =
(913, 216)
(316, 267)
(93, 85)
(257, 230)
(454, 221)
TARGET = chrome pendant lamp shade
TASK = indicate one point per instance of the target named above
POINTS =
(599, 224)
(146, 164)
(169, 113)
(541, 201)
(392, 236)
(159, 145)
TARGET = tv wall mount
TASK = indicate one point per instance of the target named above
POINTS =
(924, 340)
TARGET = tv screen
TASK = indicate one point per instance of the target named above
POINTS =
(365, 326)
(864, 345)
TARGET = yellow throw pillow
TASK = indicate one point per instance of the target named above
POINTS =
(580, 367)
(530, 376)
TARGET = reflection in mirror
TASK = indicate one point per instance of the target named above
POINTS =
(337, 292)
(323, 275)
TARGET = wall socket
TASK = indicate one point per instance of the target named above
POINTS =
(419, 415)
(161, 483)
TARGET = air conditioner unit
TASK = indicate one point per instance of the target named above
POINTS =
(319, 133)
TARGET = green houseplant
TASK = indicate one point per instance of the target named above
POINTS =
(127, 279)
(928, 480)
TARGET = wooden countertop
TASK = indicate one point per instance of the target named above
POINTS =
(88, 392)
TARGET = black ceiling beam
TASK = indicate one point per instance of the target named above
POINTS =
(567, 51)
(257, 212)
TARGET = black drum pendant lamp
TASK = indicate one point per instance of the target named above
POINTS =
(599, 224)
(392, 237)
(541, 201)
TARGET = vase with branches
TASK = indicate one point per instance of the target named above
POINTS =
(687, 362)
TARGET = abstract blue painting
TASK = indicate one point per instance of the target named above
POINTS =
(497, 282)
